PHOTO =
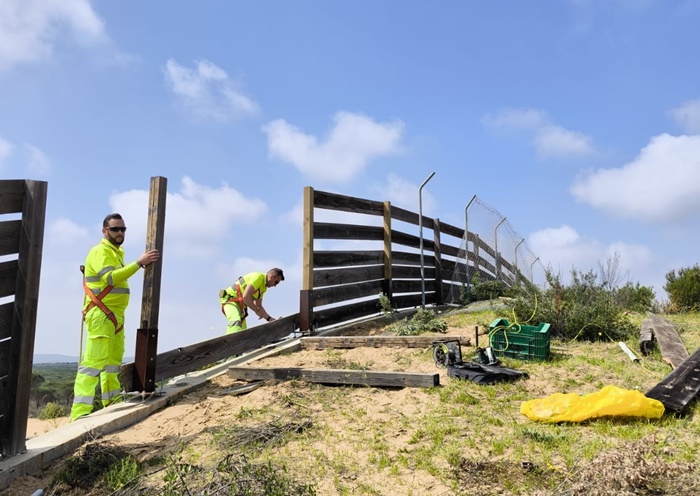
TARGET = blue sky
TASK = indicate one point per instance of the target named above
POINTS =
(578, 120)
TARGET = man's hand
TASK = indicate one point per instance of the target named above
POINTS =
(148, 257)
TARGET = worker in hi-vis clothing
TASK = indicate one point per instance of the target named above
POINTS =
(247, 292)
(106, 297)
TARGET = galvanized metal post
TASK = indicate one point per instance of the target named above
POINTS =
(516, 260)
(466, 241)
(496, 256)
(420, 232)
(533, 263)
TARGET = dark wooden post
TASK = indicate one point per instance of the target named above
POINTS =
(388, 284)
(306, 309)
(438, 262)
(147, 334)
(21, 354)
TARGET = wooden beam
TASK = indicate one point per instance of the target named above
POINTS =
(679, 387)
(147, 333)
(306, 308)
(346, 258)
(26, 304)
(327, 230)
(672, 348)
(388, 288)
(347, 275)
(11, 195)
(646, 337)
(334, 376)
(8, 277)
(346, 292)
(193, 357)
(9, 236)
(438, 265)
(341, 342)
(334, 201)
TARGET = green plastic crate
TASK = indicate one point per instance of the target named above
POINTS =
(519, 341)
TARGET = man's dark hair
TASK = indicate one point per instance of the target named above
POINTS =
(277, 272)
(114, 216)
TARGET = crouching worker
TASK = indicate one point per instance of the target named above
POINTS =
(247, 293)
(105, 277)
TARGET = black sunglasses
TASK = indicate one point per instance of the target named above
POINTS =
(117, 229)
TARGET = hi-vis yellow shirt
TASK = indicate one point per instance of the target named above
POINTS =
(104, 266)
(258, 281)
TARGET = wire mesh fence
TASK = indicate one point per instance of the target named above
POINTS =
(509, 260)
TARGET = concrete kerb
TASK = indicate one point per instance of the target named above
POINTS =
(44, 449)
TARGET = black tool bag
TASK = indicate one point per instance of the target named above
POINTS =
(484, 374)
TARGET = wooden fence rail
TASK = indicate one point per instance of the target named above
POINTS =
(19, 279)
(336, 277)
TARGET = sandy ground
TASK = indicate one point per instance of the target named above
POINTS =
(213, 406)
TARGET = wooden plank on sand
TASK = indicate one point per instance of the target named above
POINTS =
(646, 337)
(335, 376)
(672, 349)
(679, 387)
(322, 343)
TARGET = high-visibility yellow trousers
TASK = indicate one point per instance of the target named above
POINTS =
(236, 321)
(100, 363)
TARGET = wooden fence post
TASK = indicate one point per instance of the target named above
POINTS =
(438, 262)
(388, 284)
(147, 334)
(306, 309)
(21, 351)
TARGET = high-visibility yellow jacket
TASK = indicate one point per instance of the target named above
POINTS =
(257, 279)
(104, 266)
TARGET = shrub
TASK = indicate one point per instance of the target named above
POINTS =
(424, 320)
(635, 297)
(684, 288)
(582, 310)
(52, 411)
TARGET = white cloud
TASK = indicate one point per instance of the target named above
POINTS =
(37, 162)
(662, 184)
(563, 248)
(5, 151)
(550, 140)
(198, 217)
(687, 116)
(29, 29)
(64, 233)
(404, 193)
(208, 91)
(555, 141)
(352, 143)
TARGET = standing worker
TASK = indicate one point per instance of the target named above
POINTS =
(106, 298)
(246, 293)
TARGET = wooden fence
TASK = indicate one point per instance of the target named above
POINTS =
(336, 277)
(19, 278)
(337, 286)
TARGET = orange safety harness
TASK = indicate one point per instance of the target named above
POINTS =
(96, 301)
(238, 300)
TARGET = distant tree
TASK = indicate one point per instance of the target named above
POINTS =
(683, 288)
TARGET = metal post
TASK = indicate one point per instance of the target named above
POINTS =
(533, 263)
(516, 260)
(466, 240)
(496, 257)
(420, 232)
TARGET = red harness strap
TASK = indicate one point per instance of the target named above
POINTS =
(238, 300)
(96, 301)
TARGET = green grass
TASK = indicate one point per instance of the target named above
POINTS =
(458, 438)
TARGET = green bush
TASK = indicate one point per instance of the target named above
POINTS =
(583, 310)
(52, 411)
(424, 320)
(684, 289)
(636, 297)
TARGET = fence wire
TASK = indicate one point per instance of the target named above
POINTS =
(494, 230)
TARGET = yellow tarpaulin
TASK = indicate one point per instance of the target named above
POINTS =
(611, 401)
